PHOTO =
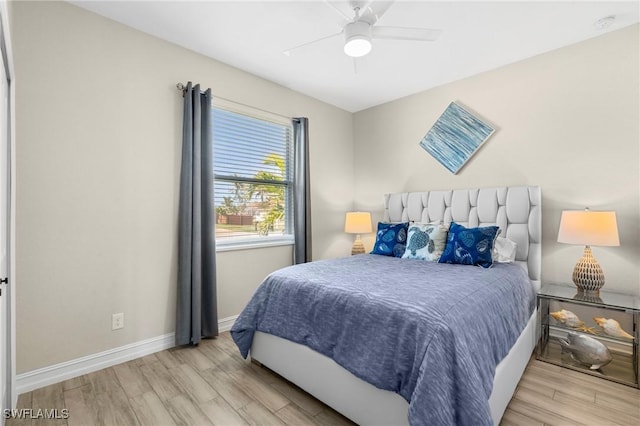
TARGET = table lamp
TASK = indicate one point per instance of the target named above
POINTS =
(357, 223)
(588, 228)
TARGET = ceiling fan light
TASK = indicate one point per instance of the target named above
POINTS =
(357, 46)
(357, 39)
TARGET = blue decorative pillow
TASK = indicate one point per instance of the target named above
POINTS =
(469, 246)
(391, 239)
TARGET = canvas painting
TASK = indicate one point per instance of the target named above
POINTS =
(455, 137)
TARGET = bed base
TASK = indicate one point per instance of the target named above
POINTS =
(364, 403)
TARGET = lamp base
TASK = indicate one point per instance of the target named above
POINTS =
(588, 275)
(588, 296)
(358, 246)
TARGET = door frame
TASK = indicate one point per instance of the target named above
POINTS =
(7, 53)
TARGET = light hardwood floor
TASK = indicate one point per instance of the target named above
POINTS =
(212, 384)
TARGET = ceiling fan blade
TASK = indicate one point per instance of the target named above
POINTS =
(295, 49)
(403, 33)
(344, 16)
(373, 11)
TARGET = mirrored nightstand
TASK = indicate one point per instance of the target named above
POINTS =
(561, 309)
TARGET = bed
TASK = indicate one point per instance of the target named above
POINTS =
(372, 338)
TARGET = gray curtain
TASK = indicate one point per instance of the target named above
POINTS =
(196, 313)
(301, 192)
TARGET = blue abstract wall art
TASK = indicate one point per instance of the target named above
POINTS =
(455, 137)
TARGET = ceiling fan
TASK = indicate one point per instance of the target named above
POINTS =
(362, 28)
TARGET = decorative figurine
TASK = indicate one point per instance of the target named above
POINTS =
(612, 327)
(586, 350)
(571, 320)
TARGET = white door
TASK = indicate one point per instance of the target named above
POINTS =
(4, 220)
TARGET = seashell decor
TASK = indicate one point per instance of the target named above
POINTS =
(570, 319)
(612, 327)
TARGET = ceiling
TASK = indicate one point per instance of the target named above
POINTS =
(476, 36)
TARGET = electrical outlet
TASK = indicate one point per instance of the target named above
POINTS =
(117, 321)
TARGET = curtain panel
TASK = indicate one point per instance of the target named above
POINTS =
(301, 192)
(196, 312)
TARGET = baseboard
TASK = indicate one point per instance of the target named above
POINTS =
(225, 324)
(26, 382)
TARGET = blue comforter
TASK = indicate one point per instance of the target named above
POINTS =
(431, 332)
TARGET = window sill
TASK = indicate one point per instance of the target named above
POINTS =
(254, 243)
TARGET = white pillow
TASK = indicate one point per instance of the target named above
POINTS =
(504, 250)
(425, 241)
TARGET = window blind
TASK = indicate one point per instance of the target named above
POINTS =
(253, 175)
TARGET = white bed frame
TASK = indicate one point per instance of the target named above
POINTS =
(517, 211)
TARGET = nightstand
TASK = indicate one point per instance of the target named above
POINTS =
(623, 348)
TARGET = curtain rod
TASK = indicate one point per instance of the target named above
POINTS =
(182, 88)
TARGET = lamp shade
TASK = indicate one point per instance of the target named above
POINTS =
(588, 228)
(357, 223)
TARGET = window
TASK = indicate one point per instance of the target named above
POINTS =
(253, 175)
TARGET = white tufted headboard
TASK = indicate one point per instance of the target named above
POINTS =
(515, 209)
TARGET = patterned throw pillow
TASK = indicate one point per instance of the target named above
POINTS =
(469, 246)
(390, 239)
(425, 241)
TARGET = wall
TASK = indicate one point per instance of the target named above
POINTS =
(567, 120)
(98, 148)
